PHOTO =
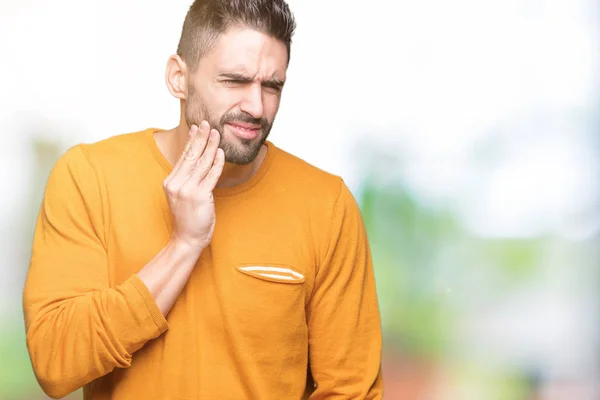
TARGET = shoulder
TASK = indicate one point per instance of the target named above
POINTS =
(83, 164)
(121, 147)
(113, 152)
(322, 195)
(305, 179)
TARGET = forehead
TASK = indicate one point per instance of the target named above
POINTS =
(244, 50)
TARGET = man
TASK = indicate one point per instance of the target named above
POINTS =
(203, 262)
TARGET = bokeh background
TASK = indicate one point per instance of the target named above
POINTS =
(468, 130)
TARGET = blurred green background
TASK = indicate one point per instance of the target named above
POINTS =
(468, 131)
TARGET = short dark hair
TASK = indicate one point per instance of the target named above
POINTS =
(207, 19)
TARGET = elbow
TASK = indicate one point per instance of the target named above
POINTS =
(53, 383)
(51, 376)
(55, 392)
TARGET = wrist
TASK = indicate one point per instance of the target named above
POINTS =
(185, 247)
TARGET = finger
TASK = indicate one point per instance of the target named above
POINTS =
(191, 137)
(212, 178)
(168, 181)
(205, 162)
(192, 155)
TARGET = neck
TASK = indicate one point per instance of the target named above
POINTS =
(234, 175)
(172, 144)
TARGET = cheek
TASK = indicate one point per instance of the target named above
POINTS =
(271, 105)
(221, 99)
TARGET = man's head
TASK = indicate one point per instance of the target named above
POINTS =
(230, 69)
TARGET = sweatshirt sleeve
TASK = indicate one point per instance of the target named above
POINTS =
(78, 327)
(345, 340)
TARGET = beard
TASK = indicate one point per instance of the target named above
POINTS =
(237, 150)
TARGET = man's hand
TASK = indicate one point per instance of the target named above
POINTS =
(189, 187)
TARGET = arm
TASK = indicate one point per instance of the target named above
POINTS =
(343, 314)
(78, 328)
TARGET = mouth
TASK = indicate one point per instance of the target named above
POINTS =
(245, 130)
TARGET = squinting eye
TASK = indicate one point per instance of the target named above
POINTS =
(275, 89)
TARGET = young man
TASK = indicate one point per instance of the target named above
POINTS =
(203, 262)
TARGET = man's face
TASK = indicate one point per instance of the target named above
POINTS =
(237, 89)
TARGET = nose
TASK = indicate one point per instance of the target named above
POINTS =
(252, 102)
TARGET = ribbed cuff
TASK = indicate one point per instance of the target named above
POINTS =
(151, 306)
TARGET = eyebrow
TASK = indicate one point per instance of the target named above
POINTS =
(274, 83)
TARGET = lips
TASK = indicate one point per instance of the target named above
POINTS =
(245, 130)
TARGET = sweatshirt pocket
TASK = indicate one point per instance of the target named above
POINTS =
(273, 273)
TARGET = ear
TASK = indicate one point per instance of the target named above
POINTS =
(176, 77)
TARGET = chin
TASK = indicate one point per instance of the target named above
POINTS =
(240, 153)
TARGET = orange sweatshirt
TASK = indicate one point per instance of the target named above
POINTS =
(285, 287)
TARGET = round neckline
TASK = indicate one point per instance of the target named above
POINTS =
(218, 192)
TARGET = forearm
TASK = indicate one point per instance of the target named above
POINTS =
(167, 274)
(74, 339)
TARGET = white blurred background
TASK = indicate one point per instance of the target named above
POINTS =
(469, 131)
